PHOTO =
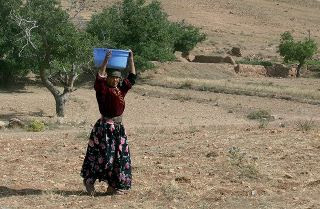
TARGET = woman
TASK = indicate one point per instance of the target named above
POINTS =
(108, 155)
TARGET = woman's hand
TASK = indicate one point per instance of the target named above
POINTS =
(108, 55)
(130, 55)
(131, 63)
(102, 70)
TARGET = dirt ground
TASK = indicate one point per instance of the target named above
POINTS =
(190, 148)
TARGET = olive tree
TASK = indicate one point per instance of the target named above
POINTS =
(145, 29)
(10, 64)
(52, 46)
(296, 51)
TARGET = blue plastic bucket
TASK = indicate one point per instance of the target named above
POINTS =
(118, 60)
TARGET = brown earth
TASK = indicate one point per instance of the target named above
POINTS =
(190, 148)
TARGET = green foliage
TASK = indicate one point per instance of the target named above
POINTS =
(145, 29)
(57, 42)
(313, 65)
(143, 63)
(186, 36)
(7, 29)
(9, 61)
(245, 167)
(36, 126)
(298, 51)
(56, 38)
(259, 115)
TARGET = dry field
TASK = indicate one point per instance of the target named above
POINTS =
(191, 141)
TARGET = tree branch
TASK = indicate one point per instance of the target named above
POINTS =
(26, 26)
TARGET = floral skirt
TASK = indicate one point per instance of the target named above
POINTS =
(108, 155)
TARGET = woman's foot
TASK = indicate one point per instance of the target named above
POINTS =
(89, 186)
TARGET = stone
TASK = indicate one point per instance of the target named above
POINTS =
(188, 56)
(2, 124)
(250, 70)
(280, 70)
(235, 51)
(15, 123)
(208, 59)
(288, 176)
(183, 179)
(229, 59)
(179, 57)
(212, 154)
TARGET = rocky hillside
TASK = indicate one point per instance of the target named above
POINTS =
(253, 25)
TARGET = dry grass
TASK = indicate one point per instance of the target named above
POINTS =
(169, 172)
(305, 125)
(258, 87)
(243, 165)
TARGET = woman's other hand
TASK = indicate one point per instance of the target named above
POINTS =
(108, 55)
(102, 70)
(131, 63)
(130, 55)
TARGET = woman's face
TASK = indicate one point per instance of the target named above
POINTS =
(113, 81)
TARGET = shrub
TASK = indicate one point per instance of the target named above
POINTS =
(263, 123)
(313, 65)
(305, 125)
(187, 84)
(10, 64)
(259, 115)
(296, 51)
(36, 126)
(238, 159)
(145, 29)
(186, 36)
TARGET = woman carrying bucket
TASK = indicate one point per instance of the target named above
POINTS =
(108, 155)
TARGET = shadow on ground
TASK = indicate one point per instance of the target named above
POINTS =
(39, 113)
(8, 192)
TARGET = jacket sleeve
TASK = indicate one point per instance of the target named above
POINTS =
(128, 83)
(100, 83)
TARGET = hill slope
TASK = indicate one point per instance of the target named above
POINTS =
(254, 25)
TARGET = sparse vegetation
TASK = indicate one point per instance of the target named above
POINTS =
(52, 126)
(186, 85)
(172, 191)
(259, 115)
(279, 89)
(299, 51)
(36, 126)
(245, 167)
(263, 122)
(305, 125)
(313, 65)
(83, 135)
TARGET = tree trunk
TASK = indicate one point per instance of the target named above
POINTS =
(66, 79)
(298, 70)
(60, 104)
(60, 98)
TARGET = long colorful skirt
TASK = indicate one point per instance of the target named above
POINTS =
(108, 155)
